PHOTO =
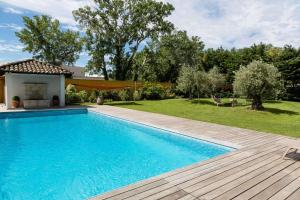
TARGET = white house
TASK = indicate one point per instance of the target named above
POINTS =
(34, 82)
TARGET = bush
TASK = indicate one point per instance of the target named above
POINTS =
(153, 91)
(83, 95)
(93, 96)
(113, 95)
(123, 95)
(137, 95)
(72, 97)
(71, 88)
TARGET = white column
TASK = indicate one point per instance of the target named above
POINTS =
(62, 91)
(7, 88)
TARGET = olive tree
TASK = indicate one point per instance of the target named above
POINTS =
(186, 80)
(192, 81)
(215, 81)
(258, 81)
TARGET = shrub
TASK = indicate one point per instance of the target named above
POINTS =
(83, 95)
(258, 81)
(71, 88)
(125, 95)
(137, 95)
(93, 96)
(71, 95)
(72, 98)
(153, 91)
(113, 95)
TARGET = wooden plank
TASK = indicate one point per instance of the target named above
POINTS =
(287, 191)
(184, 183)
(236, 191)
(268, 181)
(131, 189)
(228, 186)
(234, 171)
(177, 195)
(170, 193)
(295, 195)
(153, 191)
(187, 197)
(277, 186)
(216, 165)
(201, 189)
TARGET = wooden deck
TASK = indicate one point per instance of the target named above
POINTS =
(254, 171)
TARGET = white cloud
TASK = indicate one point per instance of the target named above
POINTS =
(13, 11)
(9, 47)
(218, 22)
(13, 27)
(60, 9)
(238, 22)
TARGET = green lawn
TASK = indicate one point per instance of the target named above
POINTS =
(279, 117)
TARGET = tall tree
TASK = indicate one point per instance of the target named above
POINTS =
(166, 56)
(43, 37)
(124, 24)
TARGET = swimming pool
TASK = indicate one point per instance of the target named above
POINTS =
(76, 154)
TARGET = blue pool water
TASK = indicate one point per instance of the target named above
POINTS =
(77, 154)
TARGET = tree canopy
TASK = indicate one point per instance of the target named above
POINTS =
(44, 38)
(124, 25)
(258, 81)
(163, 58)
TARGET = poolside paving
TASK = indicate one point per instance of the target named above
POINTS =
(254, 171)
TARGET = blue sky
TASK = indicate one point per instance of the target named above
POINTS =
(227, 23)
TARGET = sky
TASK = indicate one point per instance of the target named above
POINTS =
(227, 23)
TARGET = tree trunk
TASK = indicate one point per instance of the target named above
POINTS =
(256, 103)
(119, 66)
(104, 70)
(105, 74)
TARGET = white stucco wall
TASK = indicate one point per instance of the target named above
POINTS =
(14, 86)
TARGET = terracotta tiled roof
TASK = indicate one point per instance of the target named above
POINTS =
(32, 66)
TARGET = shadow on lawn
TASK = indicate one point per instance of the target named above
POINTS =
(209, 102)
(124, 104)
(201, 101)
(280, 111)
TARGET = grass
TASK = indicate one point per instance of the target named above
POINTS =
(280, 117)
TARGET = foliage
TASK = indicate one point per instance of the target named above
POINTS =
(215, 81)
(93, 96)
(152, 91)
(281, 117)
(122, 25)
(71, 88)
(163, 58)
(16, 98)
(137, 95)
(83, 95)
(198, 82)
(258, 81)
(124, 95)
(72, 95)
(186, 81)
(43, 37)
